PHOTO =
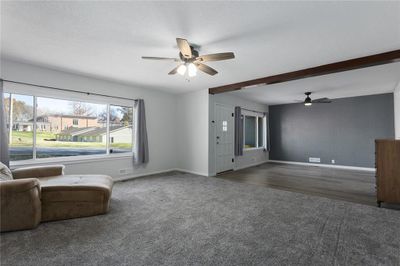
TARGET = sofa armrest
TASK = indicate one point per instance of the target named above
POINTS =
(20, 204)
(38, 171)
(17, 186)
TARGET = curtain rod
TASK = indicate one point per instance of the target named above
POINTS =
(254, 111)
(61, 89)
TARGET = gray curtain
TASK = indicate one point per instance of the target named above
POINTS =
(4, 156)
(268, 133)
(238, 131)
(141, 147)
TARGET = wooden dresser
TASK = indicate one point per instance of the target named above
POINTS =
(387, 158)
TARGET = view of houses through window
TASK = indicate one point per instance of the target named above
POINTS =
(65, 128)
(120, 128)
(20, 116)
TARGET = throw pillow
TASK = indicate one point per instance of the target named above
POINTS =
(5, 173)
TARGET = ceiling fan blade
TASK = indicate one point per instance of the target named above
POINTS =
(184, 47)
(160, 58)
(206, 69)
(174, 71)
(322, 100)
(216, 57)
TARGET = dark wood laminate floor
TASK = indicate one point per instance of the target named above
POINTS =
(348, 185)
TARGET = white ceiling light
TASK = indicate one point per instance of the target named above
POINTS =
(181, 70)
(192, 70)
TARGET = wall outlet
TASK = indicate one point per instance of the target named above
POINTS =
(333, 161)
(314, 160)
(125, 171)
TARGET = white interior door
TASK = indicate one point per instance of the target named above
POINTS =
(224, 138)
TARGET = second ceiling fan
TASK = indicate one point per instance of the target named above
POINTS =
(309, 102)
(190, 60)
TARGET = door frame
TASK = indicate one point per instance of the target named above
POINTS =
(215, 134)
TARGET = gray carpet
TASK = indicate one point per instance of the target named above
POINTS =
(183, 219)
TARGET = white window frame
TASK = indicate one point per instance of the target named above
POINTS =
(28, 90)
(256, 115)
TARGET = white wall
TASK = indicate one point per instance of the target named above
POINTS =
(249, 158)
(396, 95)
(192, 137)
(177, 124)
(160, 114)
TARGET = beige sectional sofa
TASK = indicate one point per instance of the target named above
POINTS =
(36, 194)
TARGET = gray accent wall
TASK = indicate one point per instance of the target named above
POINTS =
(343, 130)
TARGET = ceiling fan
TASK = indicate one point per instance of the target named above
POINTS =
(309, 102)
(190, 60)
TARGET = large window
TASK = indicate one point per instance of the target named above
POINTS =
(254, 131)
(64, 128)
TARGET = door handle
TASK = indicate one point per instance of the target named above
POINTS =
(217, 137)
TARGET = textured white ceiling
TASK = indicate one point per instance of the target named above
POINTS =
(106, 39)
(366, 81)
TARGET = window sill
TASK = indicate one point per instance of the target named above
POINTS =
(71, 160)
(253, 149)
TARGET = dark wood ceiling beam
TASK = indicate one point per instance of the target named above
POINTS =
(356, 63)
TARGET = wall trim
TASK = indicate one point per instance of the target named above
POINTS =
(250, 165)
(71, 160)
(326, 165)
(125, 178)
(191, 172)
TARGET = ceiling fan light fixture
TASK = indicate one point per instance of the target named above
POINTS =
(307, 101)
(192, 70)
(190, 61)
(181, 70)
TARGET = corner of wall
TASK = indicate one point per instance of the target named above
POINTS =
(192, 131)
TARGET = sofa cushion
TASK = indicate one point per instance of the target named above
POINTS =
(66, 182)
(5, 173)
(73, 196)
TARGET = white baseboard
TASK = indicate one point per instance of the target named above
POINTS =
(124, 178)
(191, 172)
(243, 167)
(250, 165)
(327, 165)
